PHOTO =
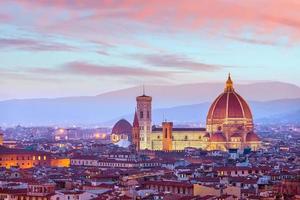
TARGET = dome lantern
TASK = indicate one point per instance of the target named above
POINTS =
(229, 84)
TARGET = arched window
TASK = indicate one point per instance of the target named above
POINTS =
(141, 114)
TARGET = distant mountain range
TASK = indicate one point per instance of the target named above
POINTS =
(283, 110)
(180, 103)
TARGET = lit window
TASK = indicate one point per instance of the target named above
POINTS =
(45, 157)
(33, 158)
(39, 157)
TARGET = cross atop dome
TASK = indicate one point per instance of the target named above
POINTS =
(229, 84)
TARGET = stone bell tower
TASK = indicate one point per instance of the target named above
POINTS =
(144, 116)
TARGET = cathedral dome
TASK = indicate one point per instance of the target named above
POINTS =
(229, 108)
(122, 127)
(218, 137)
(252, 137)
(229, 105)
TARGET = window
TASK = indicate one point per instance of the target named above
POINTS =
(166, 133)
(141, 114)
(186, 137)
(148, 114)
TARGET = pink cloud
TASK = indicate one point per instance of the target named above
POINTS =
(259, 16)
(5, 18)
(176, 61)
(80, 68)
(34, 45)
(83, 68)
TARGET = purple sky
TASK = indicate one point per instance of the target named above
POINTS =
(51, 48)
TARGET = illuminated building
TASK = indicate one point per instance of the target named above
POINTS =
(230, 122)
(1, 139)
(145, 120)
(229, 125)
(23, 158)
(61, 134)
(122, 130)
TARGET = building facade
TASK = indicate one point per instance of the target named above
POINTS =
(23, 158)
(229, 125)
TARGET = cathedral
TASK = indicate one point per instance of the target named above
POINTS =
(229, 125)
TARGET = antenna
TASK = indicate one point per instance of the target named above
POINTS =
(164, 118)
(143, 90)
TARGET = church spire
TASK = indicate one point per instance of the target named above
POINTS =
(229, 84)
(135, 121)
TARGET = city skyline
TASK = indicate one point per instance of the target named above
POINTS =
(58, 48)
(149, 99)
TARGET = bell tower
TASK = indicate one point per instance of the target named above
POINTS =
(167, 136)
(144, 116)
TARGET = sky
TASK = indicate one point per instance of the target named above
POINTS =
(54, 48)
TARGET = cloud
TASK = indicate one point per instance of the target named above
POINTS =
(33, 45)
(80, 68)
(253, 41)
(96, 19)
(84, 68)
(5, 18)
(192, 15)
(176, 61)
(102, 52)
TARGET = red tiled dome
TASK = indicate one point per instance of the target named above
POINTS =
(122, 127)
(218, 137)
(252, 137)
(229, 105)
